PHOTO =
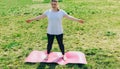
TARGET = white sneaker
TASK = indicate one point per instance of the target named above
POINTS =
(46, 58)
(64, 57)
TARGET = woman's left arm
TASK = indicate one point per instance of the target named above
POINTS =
(73, 18)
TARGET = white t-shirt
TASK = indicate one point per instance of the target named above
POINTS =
(55, 21)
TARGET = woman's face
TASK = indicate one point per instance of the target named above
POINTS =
(54, 5)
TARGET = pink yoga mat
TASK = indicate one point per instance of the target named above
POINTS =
(56, 57)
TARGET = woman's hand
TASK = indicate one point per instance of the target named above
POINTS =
(28, 21)
(80, 21)
(74, 19)
(36, 18)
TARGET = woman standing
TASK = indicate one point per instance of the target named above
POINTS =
(54, 28)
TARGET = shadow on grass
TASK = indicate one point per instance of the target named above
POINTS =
(76, 66)
(47, 66)
(43, 65)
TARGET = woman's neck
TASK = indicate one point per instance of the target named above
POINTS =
(55, 9)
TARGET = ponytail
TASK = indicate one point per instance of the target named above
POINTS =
(58, 9)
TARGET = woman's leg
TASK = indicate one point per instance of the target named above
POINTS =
(60, 42)
(50, 42)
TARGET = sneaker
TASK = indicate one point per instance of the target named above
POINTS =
(46, 58)
(64, 57)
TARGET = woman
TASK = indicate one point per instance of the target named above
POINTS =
(55, 16)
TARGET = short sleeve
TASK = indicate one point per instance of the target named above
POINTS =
(46, 12)
(64, 13)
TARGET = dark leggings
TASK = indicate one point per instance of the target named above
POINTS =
(59, 40)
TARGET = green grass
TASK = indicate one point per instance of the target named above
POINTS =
(98, 37)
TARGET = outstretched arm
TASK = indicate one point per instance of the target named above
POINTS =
(36, 18)
(73, 18)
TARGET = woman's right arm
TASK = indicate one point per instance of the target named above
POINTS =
(36, 18)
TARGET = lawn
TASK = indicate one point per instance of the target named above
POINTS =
(98, 37)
